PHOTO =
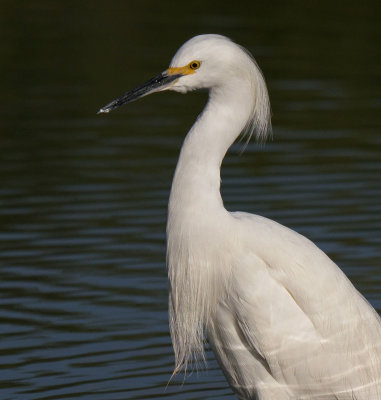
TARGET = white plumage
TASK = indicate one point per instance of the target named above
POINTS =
(282, 319)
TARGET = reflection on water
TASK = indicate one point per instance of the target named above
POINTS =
(83, 197)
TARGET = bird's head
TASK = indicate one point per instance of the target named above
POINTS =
(205, 61)
(211, 62)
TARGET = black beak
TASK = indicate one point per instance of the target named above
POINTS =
(159, 82)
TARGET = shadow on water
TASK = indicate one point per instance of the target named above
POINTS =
(83, 197)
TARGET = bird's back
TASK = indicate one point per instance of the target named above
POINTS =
(293, 326)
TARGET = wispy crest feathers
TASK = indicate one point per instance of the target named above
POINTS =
(259, 122)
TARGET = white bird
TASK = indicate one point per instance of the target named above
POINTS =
(283, 320)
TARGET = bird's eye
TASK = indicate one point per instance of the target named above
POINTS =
(194, 64)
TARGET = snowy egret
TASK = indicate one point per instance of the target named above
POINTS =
(282, 319)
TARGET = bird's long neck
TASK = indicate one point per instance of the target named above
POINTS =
(197, 178)
(198, 272)
(195, 229)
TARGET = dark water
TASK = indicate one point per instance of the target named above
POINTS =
(83, 285)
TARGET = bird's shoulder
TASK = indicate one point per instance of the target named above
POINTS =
(286, 258)
(266, 232)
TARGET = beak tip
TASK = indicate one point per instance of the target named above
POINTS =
(103, 111)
